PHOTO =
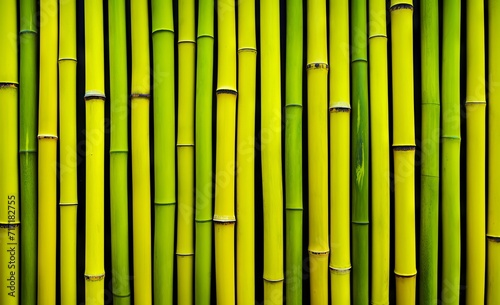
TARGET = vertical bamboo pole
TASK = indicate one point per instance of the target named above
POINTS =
(360, 152)
(141, 181)
(47, 152)
(450, 153)
(94, 109)
(293, 152)
(9, 185)
(118, 152)
(28, 94)
(317, 93)
(475, 112)
(270, 140)
(429, 177)
(493, 233)
(224, 217)
(379, 145)
(404, 150)
(245, 156)
(185, 151)
(203, 153)
(67, 150)
(164, 150)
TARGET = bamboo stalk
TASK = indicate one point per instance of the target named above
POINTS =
(475, 111)
(118, 152)
(9, 185)
(379, 145)
(429, 177)
(339, 107)
(68, 201)
(272, 187)
(28, 95)
(493, 233)
(164, 150)
(245, 155)
(141, 192)
(185, 151)
(404, 150)
(450, 153)
(293, 152)
(360, 153)
(224, 218)
(203, 153)
(47, 152)
(94, 109)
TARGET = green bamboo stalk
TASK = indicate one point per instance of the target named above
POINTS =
(450, 153)
(359, 153)
(164, 150)
(203, 153)
(118, 152)
(28, 97)
(9, 173)
(293, 152)
(429, 194)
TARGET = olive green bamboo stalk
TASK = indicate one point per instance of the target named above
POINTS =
(185, 151)
(47, 154)
(450, 153)
(429, 177)
(317, 93)
(94, 157)
(203, 153)
(359, 153)
(164, 150)
(68, 201)
(379, 149)
(28, 94)
(141, 181)
(118, 152)
(9, 185)
(493, 233)
(245, 155)
(475, 112)
(272, 187)
(404, 150)
(293, 152)
(340, 107)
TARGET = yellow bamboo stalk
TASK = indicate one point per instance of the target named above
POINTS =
(475, 112)
(340, 258)
(47, 153)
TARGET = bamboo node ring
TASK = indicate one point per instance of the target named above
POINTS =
(227, 91)
(401, 6)
(47, 136)
(140, 95)
(8, 85)
(317, 65)
(94, 277)
(493, 238)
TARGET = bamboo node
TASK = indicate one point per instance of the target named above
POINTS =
(162, 30)
(317, 65)
(319, 253)
(94, 277)
(493, 238)
(93, 95)
(28, 32)
(340, 270)
(68, 203)
(273, 280)
(140, 95)
(226, 91)
(10, 224)
(47, 136)
(7, 85)
(224, 219)
(399, 274)
(186, 41)
(67, 59)
(247, 49)
(403, 147)
(401, 6)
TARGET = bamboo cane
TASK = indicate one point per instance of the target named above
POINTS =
(118, 152)
(359, 152)
(164, 150)
(272, 188)
(94, 109)
(203, 153)
(379, 145)
(9, 186)
(475, 111)
(450, 153)
(404, 150)
(185, 151)
(47, 152)
(293, 152)
(67, 150)
(245, 156)
(28, 95)
(224, 218)
(339, 106)
(493, 233)
(429, 177)
(141, 192)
